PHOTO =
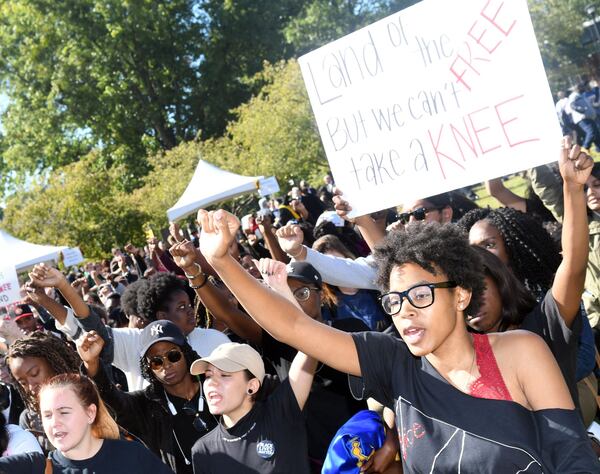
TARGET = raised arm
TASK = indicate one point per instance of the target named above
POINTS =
(39, 297)
(567, 288)
(273, 312)
(185, 256)
(344, 272)
(266, 228)
(44, 276)
(371, 231)
(506, 197)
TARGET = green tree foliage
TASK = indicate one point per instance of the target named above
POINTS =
(169, 176)
(274, 133)
(558, 26)
(113, 74)
(79, 206)
(322, 21)
(242, 34)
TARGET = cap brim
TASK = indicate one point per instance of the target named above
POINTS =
(226, 365)
(24, 315)
(303, 279)
(166, 339)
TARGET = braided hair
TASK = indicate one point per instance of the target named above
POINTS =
(533, 255)
(61, 358)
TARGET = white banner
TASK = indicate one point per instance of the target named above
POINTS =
(72, 256)
(438, 96)
(268, 186)
(9, 286)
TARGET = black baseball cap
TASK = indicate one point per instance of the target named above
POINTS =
(161, 330)
(304, 272)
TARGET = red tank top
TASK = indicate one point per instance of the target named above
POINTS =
(490, 383)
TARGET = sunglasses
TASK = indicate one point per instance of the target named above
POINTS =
(199, 424)
(418, 213)
(303, 293)
(173, 356)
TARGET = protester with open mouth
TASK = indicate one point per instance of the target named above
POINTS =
(84, 434)
(257, 432)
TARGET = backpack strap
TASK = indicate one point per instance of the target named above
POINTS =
(48, 469)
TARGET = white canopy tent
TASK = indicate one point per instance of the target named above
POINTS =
(23, 254)
(209, 185)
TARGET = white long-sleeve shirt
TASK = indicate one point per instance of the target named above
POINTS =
(128, 344)
(346, 272)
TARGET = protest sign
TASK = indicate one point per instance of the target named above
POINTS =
(433, 98)
(9, 286)
(72, 256)
(268, 186)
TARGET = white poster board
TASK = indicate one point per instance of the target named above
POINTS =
(439, 96)
(268, 186)
(72, 256)
(9, 286)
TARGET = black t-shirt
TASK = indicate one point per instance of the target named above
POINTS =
(184, 433)
(545, 321)
(114, 457)
(271, 438)
(330, 403)
(442, 429)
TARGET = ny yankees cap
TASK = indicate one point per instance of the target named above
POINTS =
(304, 272)
(161, 330)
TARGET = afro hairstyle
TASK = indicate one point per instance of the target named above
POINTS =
(437, 249)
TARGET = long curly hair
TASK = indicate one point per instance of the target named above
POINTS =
(533, 255)
(59, 355)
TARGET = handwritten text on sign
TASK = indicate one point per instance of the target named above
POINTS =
(434, 98)
(9, 286)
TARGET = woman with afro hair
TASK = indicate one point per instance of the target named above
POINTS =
(463, 401)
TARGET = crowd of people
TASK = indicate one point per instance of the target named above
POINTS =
(437, 337)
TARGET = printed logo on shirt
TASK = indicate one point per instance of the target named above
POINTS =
(156, 330)
(265, 449)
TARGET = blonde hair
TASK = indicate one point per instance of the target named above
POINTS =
(104, 426)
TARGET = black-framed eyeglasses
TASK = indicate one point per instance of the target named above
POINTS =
(191, 409)
(173, 356)
(418, 213)
(420, 296)
(303, 293)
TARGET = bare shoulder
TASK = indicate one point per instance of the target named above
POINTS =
(524, 341)
(511, 348)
